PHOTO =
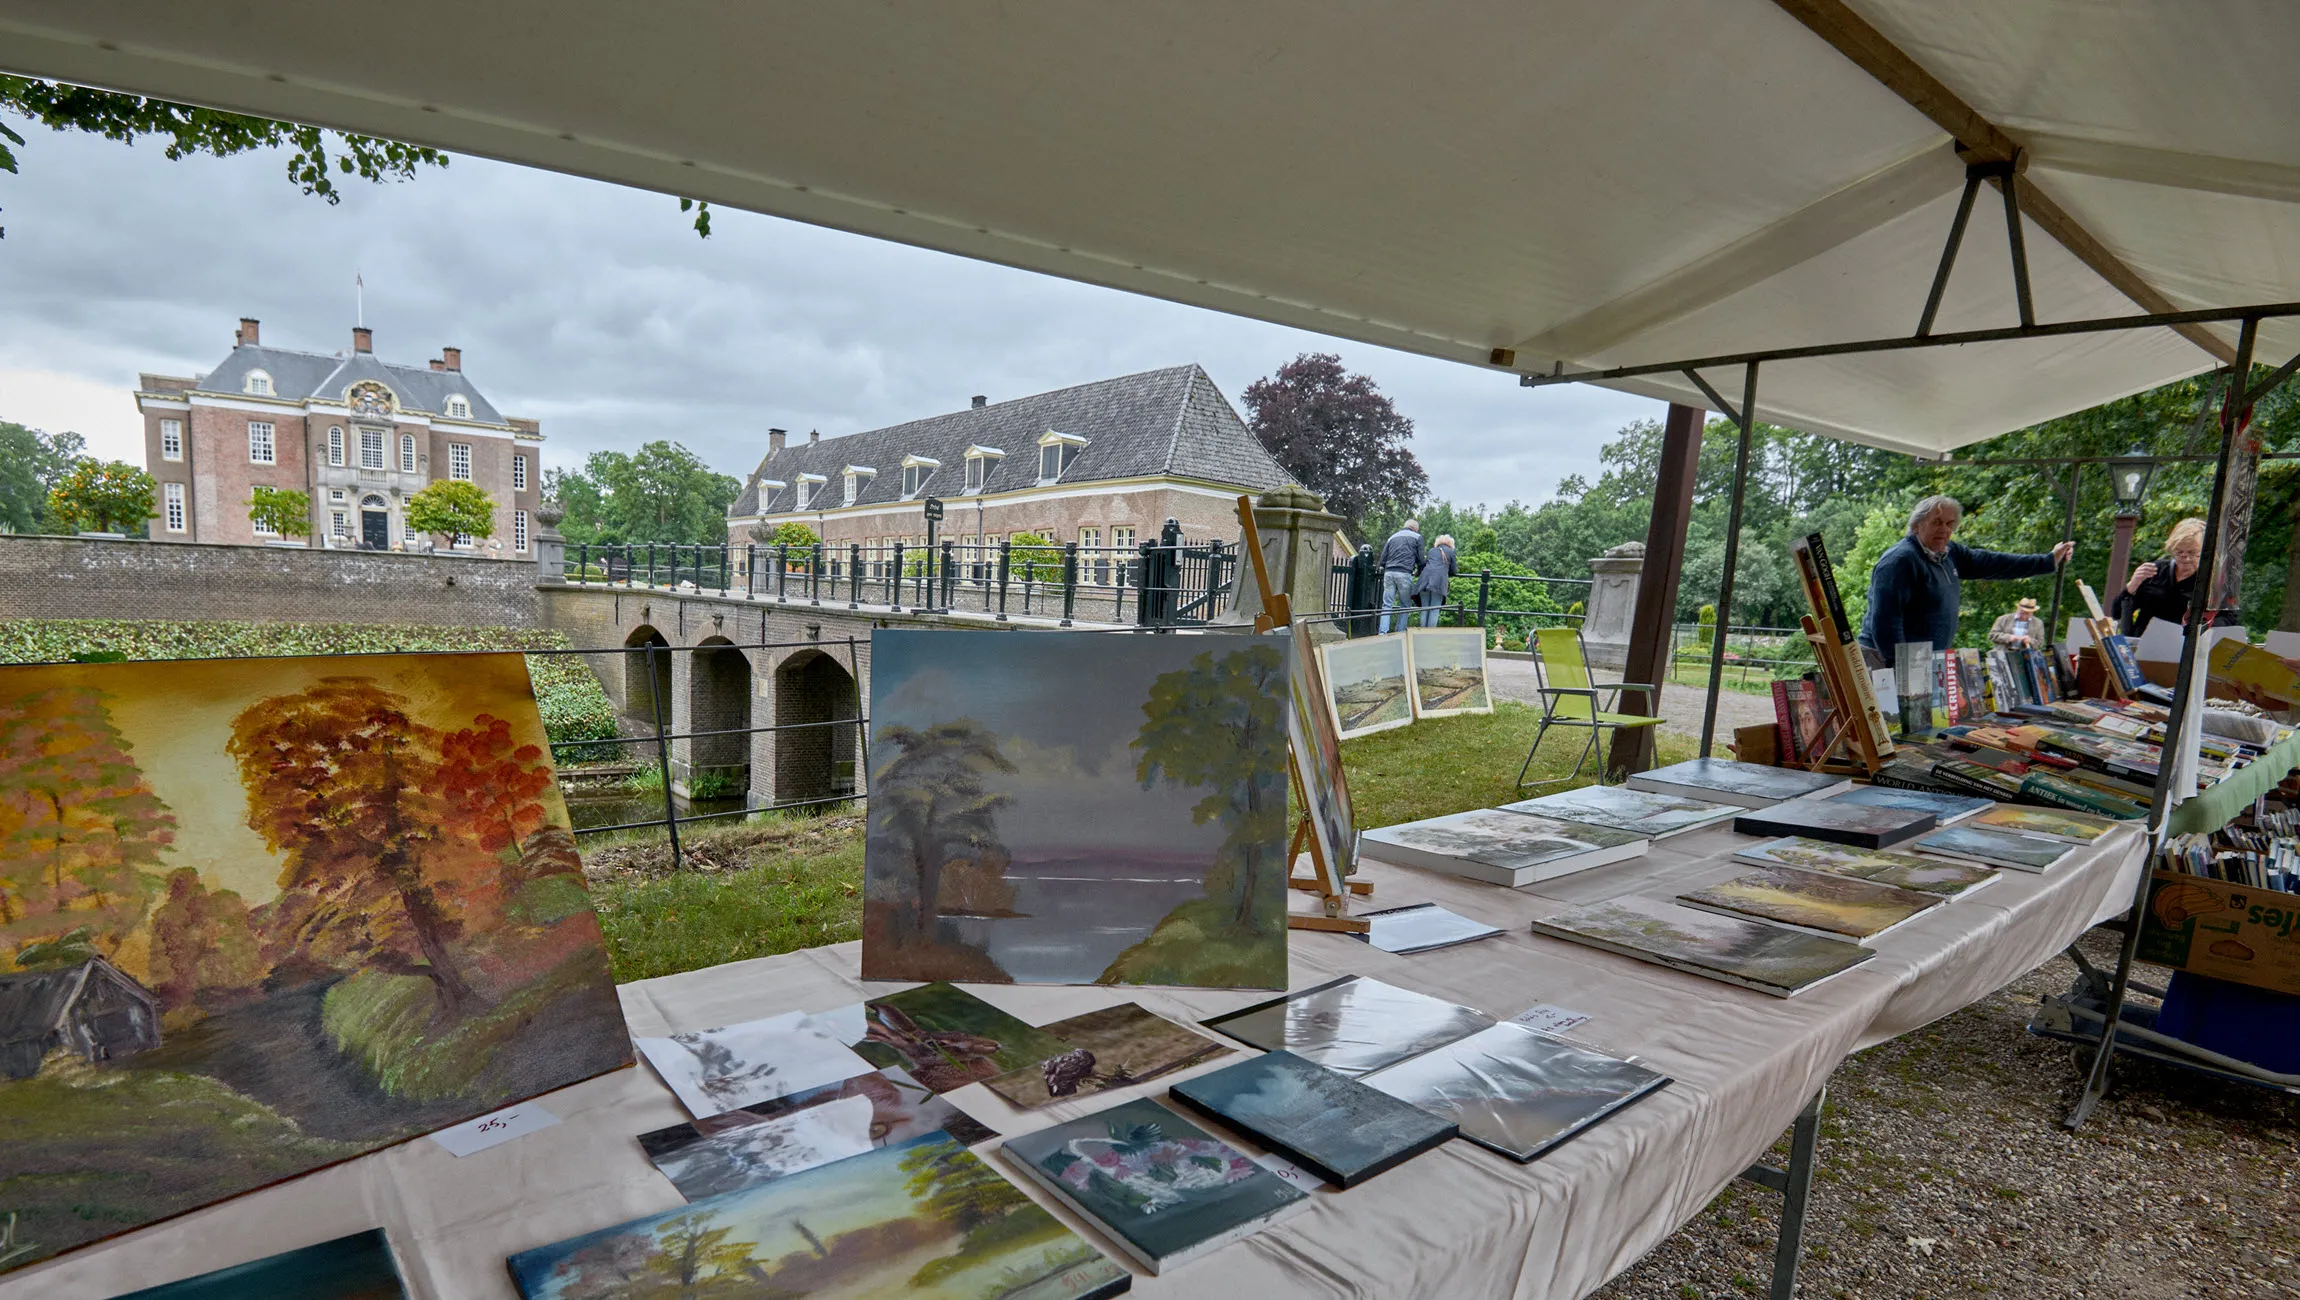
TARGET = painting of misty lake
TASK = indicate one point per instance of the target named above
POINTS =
(1076, 808)
(261, 916)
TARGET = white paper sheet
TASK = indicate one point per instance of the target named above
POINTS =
(477, 1135)
(717, 1070)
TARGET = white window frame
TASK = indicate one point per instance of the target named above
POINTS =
(808, 484)
(172, 440)
(340, 521)
(263, 444)
(407, 453)
(917, 472)
(858, 477)
(258, 384)
(336, 494)
(172, 506)
(460, 541)
(1068, 446)
(335, 444)
(519, 531)
(519, 475)
(262, 529)
(381, 448)
(459, 406)
(1122, 538)
(459, 461)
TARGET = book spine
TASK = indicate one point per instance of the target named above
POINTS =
(1785, 723)
(2063, 794)
(1827, 574)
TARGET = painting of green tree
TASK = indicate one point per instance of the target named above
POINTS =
(1076, 808)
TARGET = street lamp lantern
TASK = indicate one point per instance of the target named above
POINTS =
(2128, 479)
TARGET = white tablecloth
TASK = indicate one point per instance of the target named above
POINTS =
(1456, 1222)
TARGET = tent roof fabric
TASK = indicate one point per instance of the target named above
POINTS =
(1596, 185)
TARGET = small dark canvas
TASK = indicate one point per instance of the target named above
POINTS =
(1837, 822)
(1351, 1025)
(1517, 1091)
(357, 1267)
(1944, 807)
(1337, 1128)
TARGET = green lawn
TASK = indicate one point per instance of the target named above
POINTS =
(796, 882)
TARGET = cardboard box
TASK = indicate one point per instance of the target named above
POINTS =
(2230, 932)
(1758, 744)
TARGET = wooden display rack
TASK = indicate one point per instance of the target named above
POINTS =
(1277, 612)
(1848, 744)
(2097, 623)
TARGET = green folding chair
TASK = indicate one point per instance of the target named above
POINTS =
(1570, 699)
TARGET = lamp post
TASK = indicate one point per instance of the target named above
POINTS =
(2128, 482)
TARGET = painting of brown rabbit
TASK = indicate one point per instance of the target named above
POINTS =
(948, 1038)
(260, 916)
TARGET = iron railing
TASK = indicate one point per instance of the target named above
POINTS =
(1515, 604)
(1172, 582)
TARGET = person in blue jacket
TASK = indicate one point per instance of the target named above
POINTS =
(1918, 584)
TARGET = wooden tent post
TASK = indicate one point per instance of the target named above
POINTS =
(1278, 611)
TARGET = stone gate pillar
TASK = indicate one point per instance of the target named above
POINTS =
(1612, 605)
(1297, 547)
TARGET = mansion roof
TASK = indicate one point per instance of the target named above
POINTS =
(1160, 423)
(305, 376)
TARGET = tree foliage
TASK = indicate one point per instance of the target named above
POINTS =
(930, 803)
(32, 463)
(1220, 726)
(1337, 434)
(204, 947)
(452, 506)
(102, 496)
(793, 534)
(286, 511)
(660, 493)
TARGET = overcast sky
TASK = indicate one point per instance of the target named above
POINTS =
(596, 310)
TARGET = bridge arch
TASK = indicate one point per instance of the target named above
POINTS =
(719, 696)
(646, 686)
(813, 759)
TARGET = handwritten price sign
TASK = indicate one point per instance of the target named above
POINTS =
(493, 1130)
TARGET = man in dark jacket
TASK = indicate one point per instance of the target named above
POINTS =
(1438, 569)
(1401, 560)
(1917, 586)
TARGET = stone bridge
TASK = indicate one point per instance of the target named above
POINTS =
(712, 668)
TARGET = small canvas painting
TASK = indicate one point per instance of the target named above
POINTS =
(948, 1038)
(1884, 866)
(1502, 847)
(1639, 812)
(1815, 901)
(1725, 780)
(357, 1267)
(1076, 808)
(1317, 749)
(1516, 1091)
(1115, 1047)
(2046, 823)
(1367, 685)
(1751, 954)
(1449, 671)
(1335, 1127)
(718, 1070)
(1995, 848)
(1944, 807)
(1351, 1025)
(1420, 927)
(1837, 822)
(258, 916)
(924, 1219)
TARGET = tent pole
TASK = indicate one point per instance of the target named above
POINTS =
(2183, 693)
(1746, 417)
(1648, 656)
(2052, 632)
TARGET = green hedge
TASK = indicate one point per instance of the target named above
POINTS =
(573, 704)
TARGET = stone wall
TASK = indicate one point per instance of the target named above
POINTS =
(88, 577)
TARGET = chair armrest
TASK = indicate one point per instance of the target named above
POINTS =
(1590, 691)
(1644, 687)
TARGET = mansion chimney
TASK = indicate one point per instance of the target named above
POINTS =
(362, 339)
(437, 364)
(775, 439)
(980, 401)
(251, 332)
(814, 436)
(453, 357)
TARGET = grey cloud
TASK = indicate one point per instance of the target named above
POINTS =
(596, 310)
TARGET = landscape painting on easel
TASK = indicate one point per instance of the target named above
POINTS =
(1076, 808)
(1318, 758)
(260, 916)
(1367, 685)
(1449, 671)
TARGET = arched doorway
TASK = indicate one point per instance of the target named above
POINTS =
(719, 701)
(374, 523)
(646, 686)
(814, 761)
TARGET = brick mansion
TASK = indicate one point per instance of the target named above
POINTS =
(357, 433)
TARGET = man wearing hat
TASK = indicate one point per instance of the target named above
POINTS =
(2020, 628)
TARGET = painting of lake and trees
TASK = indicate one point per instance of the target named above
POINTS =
(261, 916)
(1076, 808)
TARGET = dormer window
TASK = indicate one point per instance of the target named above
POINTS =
(807, 485)
(459, 407)
(979, 461)
(257, 384)
(1055, 452)
(858, 477)
(916, 471)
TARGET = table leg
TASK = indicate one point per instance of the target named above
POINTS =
(1795, 1184)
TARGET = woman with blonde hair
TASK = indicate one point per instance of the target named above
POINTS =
(2162, 587)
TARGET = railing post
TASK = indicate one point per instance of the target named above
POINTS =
(583, 562)
(1005, 563)
(726, 556)
(1484, 593)
(782, 573)
(854, 576)
(894, 580)
(1069, 581)
(949, 550)
(750, 570)
(815, 574)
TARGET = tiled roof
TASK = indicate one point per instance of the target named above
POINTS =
(297, 376)
(1171, 422)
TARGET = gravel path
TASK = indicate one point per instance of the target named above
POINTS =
(1943, 1171)
(1515, 679)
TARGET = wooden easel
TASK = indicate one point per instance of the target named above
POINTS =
(2101, 628)
(1848, 743)
(1277, 612)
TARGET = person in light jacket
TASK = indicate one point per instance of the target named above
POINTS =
(2018, 628)
(1438, 569)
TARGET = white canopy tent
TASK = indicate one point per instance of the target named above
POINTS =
(1578, 185)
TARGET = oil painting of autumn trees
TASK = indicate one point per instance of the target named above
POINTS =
(1077, 808)
(257, 917)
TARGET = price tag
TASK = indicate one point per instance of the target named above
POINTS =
(1550, 1020)
(493, 1130)
(1291, 1172)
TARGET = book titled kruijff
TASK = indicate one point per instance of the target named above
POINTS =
(1837, 822)
(1750, 954)
(1723, 780)
(1337, 1128)
(1163, 1189)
